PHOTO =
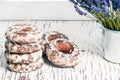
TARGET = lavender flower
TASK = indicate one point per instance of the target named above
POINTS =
(79, 11)
(116, 4)
(104, 3)
(106, 11)
(97, 9)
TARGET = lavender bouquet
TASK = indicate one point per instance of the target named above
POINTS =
(107, 12)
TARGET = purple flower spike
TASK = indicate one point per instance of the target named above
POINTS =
(104, 3)
(97, 9)
(118, 4)
(79, 11)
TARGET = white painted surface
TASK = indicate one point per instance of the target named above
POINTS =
(45, 10)
(91, 67)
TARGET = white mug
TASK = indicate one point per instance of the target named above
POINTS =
(110, 45)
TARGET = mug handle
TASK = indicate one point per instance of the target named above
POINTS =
(95, 42)
(1, 46)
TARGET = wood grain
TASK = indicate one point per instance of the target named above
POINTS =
(91, 67)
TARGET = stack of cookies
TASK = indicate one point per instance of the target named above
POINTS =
(60, 50)
(23, 48)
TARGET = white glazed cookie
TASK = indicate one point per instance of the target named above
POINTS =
(23, 48)
(63, 53)
(23, 33)
(25, 67)
(23, 58)
(52, 35)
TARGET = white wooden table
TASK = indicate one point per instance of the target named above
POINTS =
(91, 67)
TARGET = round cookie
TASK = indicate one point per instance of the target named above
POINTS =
(52, 35)
(23, 33)
(63, 53)
(23, 58)
(23, 48)
(25, 67)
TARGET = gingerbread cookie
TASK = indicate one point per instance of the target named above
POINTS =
(63, 53)
(52, 35)
(23, 33)
(23, 48)
(25, 67)
(23, 58)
